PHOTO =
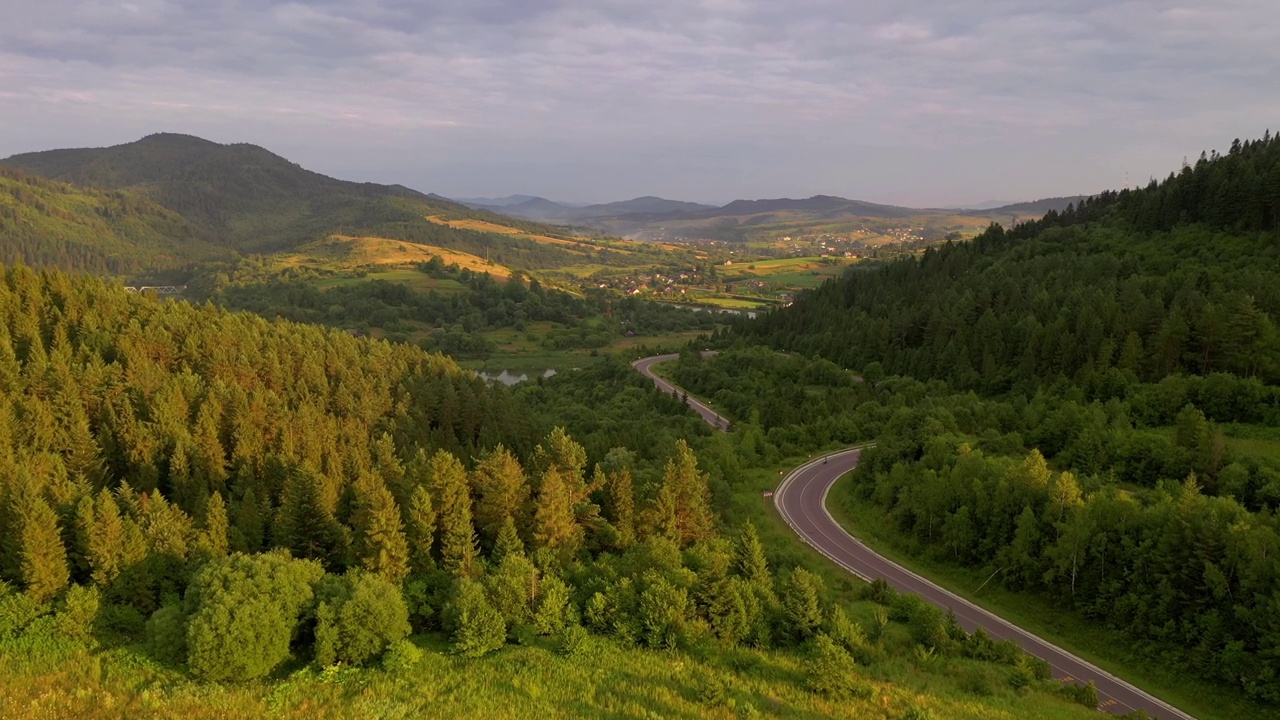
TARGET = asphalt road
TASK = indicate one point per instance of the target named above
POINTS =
(801, 499)
(711, 416)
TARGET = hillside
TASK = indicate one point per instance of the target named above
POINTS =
(1093, 399)
(51, 223)
(207, 514)
(250, 200)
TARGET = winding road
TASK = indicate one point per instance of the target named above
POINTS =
(801, 499)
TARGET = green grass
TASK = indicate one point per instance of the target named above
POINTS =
(604, 681)
(1041, 617)
(734, 303)
(414, 279)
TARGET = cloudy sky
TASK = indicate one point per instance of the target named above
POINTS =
(921, 102)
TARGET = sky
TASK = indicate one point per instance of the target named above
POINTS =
(910, 102)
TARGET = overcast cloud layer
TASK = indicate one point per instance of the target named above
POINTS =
(920, 103)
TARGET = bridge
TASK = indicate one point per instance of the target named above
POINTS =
(157, 289)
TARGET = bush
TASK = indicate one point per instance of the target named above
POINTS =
(401, 656)
(17, 610)
(78, 615)
(554, 607)
(244, 612)
(359, 615)
(476, 626)
(167, 635)
(1086, 695)
(121, 620)
(573, 640)
(832, 671)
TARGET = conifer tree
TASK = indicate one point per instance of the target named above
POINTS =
(802, 604)
(622, 505)
(457, 535)
(214, 536)
(508, 542)
(553, 522)
(751, 560)
(692, 496)
(380, 542)
(304, 526)
(106, 540)
(569, 459)
(502, 492)
(420, 530)
(43, 556)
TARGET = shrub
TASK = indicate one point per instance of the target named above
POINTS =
(167, 635)
(476, 626)
(244, 612)
(573, 640)
(359, 615)
(78, 614)
(832, 671)
(401, 656)
(1086, 695)
(17, 610)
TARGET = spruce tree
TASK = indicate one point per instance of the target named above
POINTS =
(420, 530)
(304, 526)
(43, 557)
(751, 560)
(106, 546)
(502, 492)
(214, 536)
(380, 541)
(694, 520)
(553, 522)
(508, 542)
(622, 505)
(457, 535)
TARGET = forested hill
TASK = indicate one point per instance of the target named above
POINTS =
(1180, 277)
(1128, 344)
(43, 222)
(248, 199)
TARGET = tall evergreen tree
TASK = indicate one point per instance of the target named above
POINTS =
(621, 507)
(452, 496)
(553, 521)
(380, 540)
(304, 525)
(420, 530)
(43, 556)
(502, 492)
(107, 541)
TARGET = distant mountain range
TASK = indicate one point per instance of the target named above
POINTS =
(626, 215)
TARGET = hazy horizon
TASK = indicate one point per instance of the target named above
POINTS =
(921, 104)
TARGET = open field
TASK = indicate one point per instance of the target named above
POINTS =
(346, 252)
(484, 226)
(414, 279)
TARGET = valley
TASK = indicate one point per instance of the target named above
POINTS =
(406, 432)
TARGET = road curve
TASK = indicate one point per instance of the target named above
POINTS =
(801, 499)
(711, 416)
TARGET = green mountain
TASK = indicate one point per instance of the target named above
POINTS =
(246, 197)
(43, 222)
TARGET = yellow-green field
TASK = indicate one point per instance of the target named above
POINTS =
(346, 252)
